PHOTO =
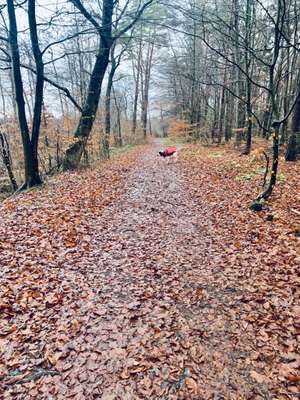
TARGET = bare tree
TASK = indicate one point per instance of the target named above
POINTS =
(106, 41)
(30, 141)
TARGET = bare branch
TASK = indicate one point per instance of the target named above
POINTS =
(66, 38)
(134, 21)
(57, 86)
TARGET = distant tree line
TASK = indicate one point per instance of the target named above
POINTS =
(234, 70)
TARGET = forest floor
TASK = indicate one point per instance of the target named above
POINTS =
(142, 280)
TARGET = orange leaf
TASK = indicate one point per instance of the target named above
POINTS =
(192, 385)
(293, 378)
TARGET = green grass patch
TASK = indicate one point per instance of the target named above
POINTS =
(245, 177)
(116, 151)
(281, 178)
(260, 171)
(215, 155)
(169, 141)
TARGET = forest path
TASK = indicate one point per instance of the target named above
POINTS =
(154, 328)
(146, 272)
(152, 318)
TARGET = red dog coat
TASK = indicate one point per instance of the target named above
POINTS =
(169, 151)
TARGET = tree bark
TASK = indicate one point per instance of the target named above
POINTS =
(39, 86)
(222, 110)
(107, 122)
(275, 110)
(74, 152)
(248, 67)
(239, 106)
(294, 140)
(32, 176)
(5, 153)
(137, 87)
(118, 136)
(145, 98)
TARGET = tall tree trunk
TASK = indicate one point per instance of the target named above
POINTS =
(107, 119)
(39, 87)
(257, 204)
(221, 116)
(266, 119)
(239, 106)
(145, 99)
(137, 88)
(229, 101)
(286, 97)
(294, 140)
(32, 177)
(229, 111)
(74, 152)
(222, 109)
(248, 67)
(118, 136)
(215, 117)
(193, 72)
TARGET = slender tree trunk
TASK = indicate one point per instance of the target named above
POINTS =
(3, 102)
(247, 149)
(32, 177)
(257, 204)
(222, 109)
(229, 101)
(136, 93)
(145, 100)
(229, 111)
(275, 110)
(239, 106)
(107, 122)
(12, 85)
(5, 153)
(107, 119)
(193, 67)
(285, 100)
(215, 117)
(118, 137)
(294, 140)
(266, 119)
(248, 66)
(39, 87)
(115, 62)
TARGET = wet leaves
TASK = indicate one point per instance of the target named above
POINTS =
(143, 280)
(258, 257)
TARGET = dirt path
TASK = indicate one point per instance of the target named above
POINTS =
(152, 319)
(145, 268)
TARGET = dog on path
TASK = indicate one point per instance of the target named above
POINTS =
(170, 153)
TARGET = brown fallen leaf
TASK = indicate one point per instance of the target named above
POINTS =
(260, 378)
(75, 325)
(108, 395)
(296, 311)
(293, 378)
(192, 385)
(53, 299)
(8, 329)
(294, 389)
